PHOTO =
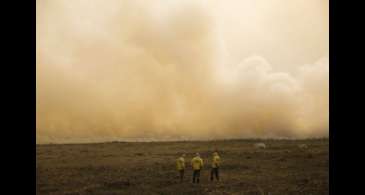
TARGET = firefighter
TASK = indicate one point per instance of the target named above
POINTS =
(215, 166)
(197, 164)
(180, 166)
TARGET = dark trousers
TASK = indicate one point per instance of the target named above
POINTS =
(181, 172)
(214, 172)
(196, 176)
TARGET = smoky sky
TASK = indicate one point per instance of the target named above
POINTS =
(163, 70)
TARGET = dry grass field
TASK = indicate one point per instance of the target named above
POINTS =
(149, 168)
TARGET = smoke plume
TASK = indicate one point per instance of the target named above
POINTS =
(118, 70)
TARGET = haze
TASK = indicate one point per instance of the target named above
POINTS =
(181, 70)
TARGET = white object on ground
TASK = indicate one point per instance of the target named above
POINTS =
(260, 145)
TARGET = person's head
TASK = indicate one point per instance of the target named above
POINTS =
(215, 153)
(183, 155)
(197, 154)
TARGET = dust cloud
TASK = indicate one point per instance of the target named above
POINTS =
(179, 70)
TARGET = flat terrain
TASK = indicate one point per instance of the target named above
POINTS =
(149, 168)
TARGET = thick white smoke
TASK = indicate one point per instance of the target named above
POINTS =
(129, 69)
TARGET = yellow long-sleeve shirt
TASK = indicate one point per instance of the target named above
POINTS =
(180, 163)
(197, 163)
(216, 161)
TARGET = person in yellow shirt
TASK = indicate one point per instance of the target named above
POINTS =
(216, 160)
(180, 166)
(197, 164)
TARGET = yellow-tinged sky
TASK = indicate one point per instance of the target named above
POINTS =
(174, 69)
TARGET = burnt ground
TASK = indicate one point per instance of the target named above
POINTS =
(149, 168)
